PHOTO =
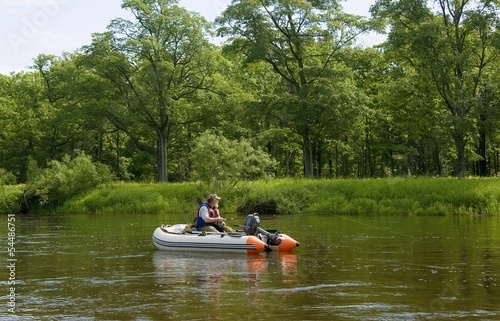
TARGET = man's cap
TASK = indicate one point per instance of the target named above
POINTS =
(212, 197)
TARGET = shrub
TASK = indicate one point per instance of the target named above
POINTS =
(64, 180)
(6, 178)
(217, 159)
(11, 196)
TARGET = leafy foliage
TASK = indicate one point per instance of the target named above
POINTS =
(301, 41)
(217, 159)
(10, 194)
(162, 69)
(448, 51)
(6, 178)
(11, 198)
(62, 180)
(288, 94)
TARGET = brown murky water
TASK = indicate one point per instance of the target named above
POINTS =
(105, 267)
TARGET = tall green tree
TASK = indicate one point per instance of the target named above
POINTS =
(164, 71)
(449, 49)
(253, 115)
(489, 122)
(24, 114)
(64, 127)
(300, 40)
(415, 119)
(9, 120)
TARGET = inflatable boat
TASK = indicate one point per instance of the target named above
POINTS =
(252, 239)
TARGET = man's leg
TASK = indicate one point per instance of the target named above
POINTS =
(227, 229)
(208, 229)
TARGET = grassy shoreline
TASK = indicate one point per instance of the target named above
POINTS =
(390, 196)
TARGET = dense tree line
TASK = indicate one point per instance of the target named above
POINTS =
(289, 91)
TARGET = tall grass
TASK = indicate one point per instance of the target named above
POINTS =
(397, 196)
(394, 196)
(137, 198)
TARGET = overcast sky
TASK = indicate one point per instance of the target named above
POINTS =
(31, 27)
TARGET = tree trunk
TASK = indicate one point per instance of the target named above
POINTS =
(336, 160)
(319, 161)
(495, 161)
(460, 167)
(287, 163)
(118, 153)
(482, 137)
(308, 161)
(162, 157)
(436, 160)
(482, 152)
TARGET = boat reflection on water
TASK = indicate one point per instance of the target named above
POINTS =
(196, 281)
(177, 267)
(282, 263)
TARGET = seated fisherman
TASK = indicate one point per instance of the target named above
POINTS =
(208, 218)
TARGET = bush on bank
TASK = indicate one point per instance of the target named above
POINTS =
(61, 180)
(391, 196)
(11, 198)
(11, 195)
(50, 187)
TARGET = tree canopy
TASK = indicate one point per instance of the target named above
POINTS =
(302, 42)
(289, 93)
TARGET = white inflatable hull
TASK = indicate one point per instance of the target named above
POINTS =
(233, 242)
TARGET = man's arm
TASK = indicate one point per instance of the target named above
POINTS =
(214, 220)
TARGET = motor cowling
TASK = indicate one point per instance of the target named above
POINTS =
(252, 224)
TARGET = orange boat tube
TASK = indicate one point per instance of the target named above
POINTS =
(287, 244)
(258, 244)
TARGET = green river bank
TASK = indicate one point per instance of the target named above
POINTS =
(389, 196)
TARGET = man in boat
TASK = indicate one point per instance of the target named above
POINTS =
(208, 218)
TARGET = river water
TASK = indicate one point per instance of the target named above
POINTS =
(105, 267)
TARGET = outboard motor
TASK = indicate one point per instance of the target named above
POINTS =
(252, 227)
(252, 223)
